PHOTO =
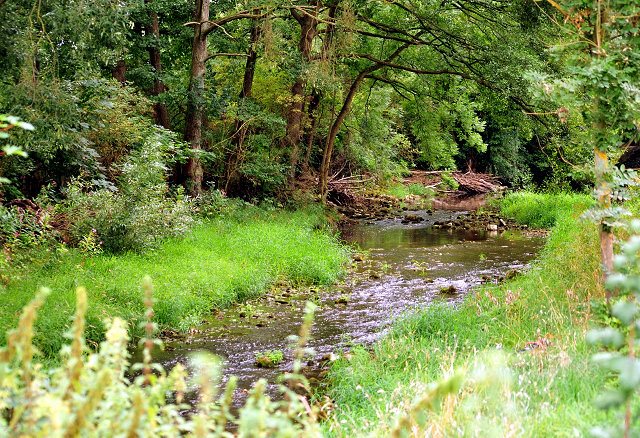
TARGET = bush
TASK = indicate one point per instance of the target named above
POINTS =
(140, 213)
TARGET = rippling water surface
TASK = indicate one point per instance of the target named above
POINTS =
(404, 266)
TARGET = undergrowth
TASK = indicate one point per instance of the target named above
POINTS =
(222, 261)
(541, 210)
(519, 347)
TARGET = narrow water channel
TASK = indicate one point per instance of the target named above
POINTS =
(403, 266)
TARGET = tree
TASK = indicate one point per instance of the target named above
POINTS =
(480, 42)
(202, 27)
(603, 55)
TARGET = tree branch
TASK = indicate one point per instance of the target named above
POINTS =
(214, 55)
(208, 26)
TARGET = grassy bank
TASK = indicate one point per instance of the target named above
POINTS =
(222, 261)
(489, 385)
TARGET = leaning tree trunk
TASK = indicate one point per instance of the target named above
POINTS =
(161, 114)
(195, 109)
(333, 133)
(346, 107)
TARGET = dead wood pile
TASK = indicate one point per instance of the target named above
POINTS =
(472, 182)
(468, 182)
(346, 191)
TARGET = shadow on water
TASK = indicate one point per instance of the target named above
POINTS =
(403, 266)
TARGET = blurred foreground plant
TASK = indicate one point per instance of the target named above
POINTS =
(622, 343)
(90, 395)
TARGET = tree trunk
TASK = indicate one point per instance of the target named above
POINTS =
(241, 126)
(119, 71)
(193, 122)
(346, 107)
(308, 31)
(161, 114)
(333, 133)
(313, 117)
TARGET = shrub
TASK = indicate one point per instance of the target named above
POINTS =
(140, 213)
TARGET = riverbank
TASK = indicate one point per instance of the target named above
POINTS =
(224, 260)
(509, 361)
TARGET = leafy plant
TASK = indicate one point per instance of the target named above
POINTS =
(448, 180)
(141, 213)
(621, 341)
(6, 123)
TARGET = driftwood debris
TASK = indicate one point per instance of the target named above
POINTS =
(472, 182)
(468, 182)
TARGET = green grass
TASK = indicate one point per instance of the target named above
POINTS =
(541, 210)
(401, 191)
(504, 392)
(221, 262)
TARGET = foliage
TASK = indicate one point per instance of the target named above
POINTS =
(448, 181)
(541, 210)
(63, 115)
(91, 395)
(402, 191)
(6, 123)
(620, 338)
(121, 127)
(140, 213)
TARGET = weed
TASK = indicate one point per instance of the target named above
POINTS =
(401, 191)
(90, 395)
(541, 210)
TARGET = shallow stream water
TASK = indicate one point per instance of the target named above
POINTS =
(405, 265)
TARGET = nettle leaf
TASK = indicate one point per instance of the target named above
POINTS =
(608, 337)
(610, 399)
(616, 280)
(14, 150)
(625, 311)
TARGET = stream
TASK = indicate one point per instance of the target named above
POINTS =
(404, 265)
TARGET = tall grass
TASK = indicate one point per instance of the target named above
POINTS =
(225, 260)
(541, 210)
(547, 391)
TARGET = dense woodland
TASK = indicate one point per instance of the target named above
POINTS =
(261, 98)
